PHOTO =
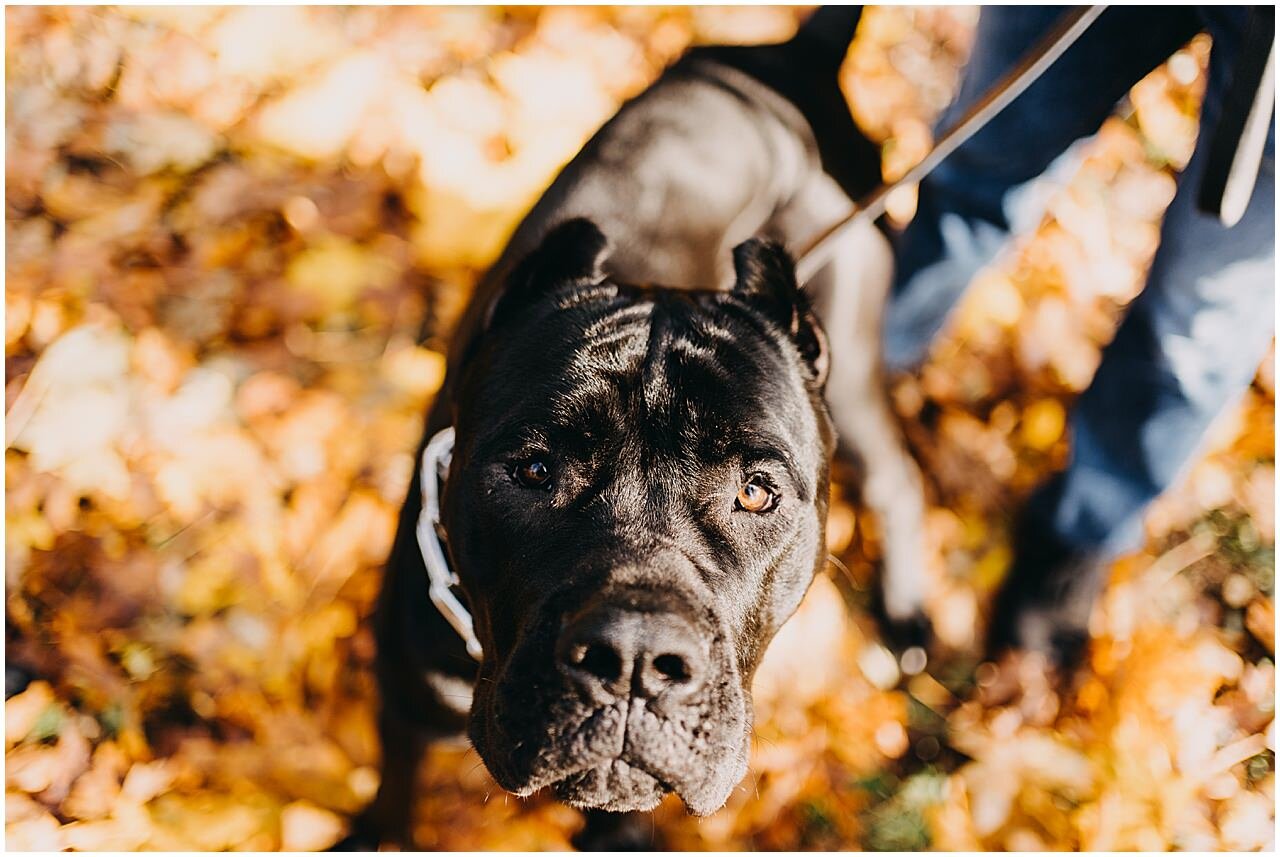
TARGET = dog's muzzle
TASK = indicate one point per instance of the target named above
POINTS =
(616, 703)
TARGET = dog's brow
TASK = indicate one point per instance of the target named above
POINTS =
(509, 434)
(758, 447)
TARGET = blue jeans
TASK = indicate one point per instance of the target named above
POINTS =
(1190, 343)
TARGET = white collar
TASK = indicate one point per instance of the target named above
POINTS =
(435, 469)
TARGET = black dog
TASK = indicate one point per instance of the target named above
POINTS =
(637, 497)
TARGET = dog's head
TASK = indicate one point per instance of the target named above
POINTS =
(637, 502)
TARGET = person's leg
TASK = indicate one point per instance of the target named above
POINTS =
(963, 214)
(1187, 349)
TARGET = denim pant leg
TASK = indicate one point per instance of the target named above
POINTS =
(962, 216)
(1188, 348)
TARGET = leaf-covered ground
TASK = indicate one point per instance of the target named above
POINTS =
(237, 240)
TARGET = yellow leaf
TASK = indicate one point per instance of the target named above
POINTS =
(990, 570)
(146, 780)
(23, 710)
(336, 271)
(307, 827)
(41, 833)
(417, 370)
(1260, 619)
(1043, 424)
(105, 835)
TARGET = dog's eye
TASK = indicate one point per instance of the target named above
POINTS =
(755, 496)
(533, 473)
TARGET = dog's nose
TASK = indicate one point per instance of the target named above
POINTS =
(626, 652)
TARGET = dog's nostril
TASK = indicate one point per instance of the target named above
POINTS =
(672, 667)
(609, 653)
(598, 659)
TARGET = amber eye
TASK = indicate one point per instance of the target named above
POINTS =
(533, 474)
(754, 496)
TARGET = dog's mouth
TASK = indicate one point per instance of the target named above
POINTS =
(618, 785)
(620, 757)
(622, 784)
(614, 701)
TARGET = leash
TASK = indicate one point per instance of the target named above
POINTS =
(816, 253)
(1238, 141)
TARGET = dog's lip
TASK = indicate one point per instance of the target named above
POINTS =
(645, 793)
(552, 779)
(563, 777)
(688, 789)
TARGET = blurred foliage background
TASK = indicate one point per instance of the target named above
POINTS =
(236, 241)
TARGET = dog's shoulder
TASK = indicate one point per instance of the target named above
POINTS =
(801, 86)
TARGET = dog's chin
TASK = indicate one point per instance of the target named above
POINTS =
(584, 774)
(615, 786)
(620, 757)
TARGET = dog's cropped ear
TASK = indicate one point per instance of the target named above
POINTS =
(766, 278)
(572, 252)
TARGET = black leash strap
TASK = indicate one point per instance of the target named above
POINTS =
(817, 253)
(1235, 150)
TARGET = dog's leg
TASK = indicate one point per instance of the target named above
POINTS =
(389, 819)
(849, 296)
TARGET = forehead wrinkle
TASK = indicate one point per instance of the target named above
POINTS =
(712, 328)
(737, 428)
(695, 367)
(681, 358)
(612, 341)
(588, 409)
(674, 368)
(616, 353)
(682, 326)
(655, 389)
(618, 317)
